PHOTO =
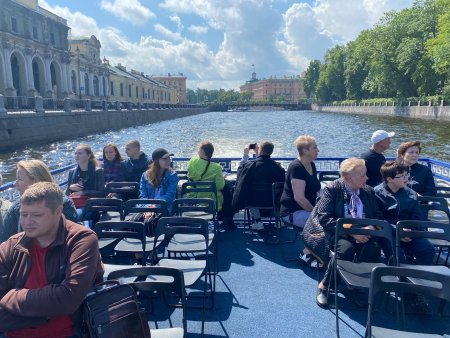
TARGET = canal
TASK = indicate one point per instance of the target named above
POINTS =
(336, 134)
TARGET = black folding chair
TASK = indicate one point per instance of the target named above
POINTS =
(328, 176)
(102, 209)
(121, 188)
(148, 280)
(396, 279)
(200, 189)
(356, 275)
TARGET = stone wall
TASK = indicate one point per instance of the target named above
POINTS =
(427, 111)
(29, 128)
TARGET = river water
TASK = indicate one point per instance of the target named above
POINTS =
(337, 135)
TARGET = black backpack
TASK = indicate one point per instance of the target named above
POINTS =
(112, 310)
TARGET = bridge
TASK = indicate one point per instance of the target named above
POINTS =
(266, 105)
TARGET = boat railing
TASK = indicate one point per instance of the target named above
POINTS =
(440, 169)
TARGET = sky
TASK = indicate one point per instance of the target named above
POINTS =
(219, 43)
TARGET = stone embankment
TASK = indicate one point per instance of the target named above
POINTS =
(20, 129)
(424, 111)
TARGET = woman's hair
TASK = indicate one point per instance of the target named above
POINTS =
(118, 157)
(303, 142)
(392, 169)
(348, 166)
(207, 148)
(155, 173)
(87, 148)
(36, 170)
(405, 145)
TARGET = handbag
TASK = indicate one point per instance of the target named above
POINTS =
(79, 201)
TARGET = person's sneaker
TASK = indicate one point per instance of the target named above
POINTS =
(257, 226)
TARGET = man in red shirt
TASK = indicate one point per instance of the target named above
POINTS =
(46, 270)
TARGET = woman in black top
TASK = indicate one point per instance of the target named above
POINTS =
(301, 186)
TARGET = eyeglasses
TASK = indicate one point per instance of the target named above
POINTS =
(402, 176)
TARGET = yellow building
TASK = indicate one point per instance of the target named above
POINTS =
(178, 82)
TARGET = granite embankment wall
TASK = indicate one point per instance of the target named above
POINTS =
(29, 128)
(427, 111)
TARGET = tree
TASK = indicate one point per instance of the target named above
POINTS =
(311, 77)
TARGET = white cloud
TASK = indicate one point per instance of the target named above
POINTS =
(174, 36)
(198, 30)
(130, 10)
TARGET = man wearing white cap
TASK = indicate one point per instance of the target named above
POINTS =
(381, 140)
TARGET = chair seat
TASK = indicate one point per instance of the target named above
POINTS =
(135, 245)
(441, 269)
(198, 214)
(192, 269)
(173, 332)
(110, 216)
(356, 274)
(189, 243)
(114, 267)
(439, 242)
(381, 332)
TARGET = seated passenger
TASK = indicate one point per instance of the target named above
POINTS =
(160, 180)
(28, 173)
(254, 182)
(201, 168)
(398, 203)
(350, 197)
(133, 167)
(112, 163)
(421, 178)
(301, 186)
(47, 270)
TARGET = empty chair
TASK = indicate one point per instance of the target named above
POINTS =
(436, 208)
(328, 176)
(122, 189)
(443, 191)
(102, 209)
(156, 279)
(395, 279)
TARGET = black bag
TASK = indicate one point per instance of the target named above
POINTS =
(150, 223)
(114, 312)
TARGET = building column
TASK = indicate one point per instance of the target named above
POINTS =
(48, 78)
(91, 84)
(31, 91)
(106, 86)
(9, 86)
(100, 85)
(65, 80)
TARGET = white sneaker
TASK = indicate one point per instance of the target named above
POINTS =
(257, 226)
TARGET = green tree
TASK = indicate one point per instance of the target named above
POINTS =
(311, 77)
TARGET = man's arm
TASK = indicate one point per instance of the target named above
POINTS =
(65, 297)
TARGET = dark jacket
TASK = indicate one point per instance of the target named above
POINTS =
(398, 206)
(421, 180)
(73, 266)
(95, 184)
(132, 170)
(374, 161)
(12, 217)
(254, 183)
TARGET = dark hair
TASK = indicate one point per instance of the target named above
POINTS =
(392, 169)
(207, 148)
(405, 145)
(118, 157)
(266, 148)
(49, 192)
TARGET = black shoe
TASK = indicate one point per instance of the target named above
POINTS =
(322, 298)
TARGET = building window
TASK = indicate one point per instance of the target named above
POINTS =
(129, 90)
(35, 33)
(137, 91)
(52, 39)
(112, 88)
(121, 89)
(14, 25)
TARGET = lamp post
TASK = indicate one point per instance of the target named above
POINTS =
(78, 70)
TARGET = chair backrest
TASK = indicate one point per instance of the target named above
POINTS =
(103, 205)
(328, 176)
(182, 205)
(429, 203)
(122, 187)
(356, 226)
(121, 230)
(395, 279)
(201, 188)
(277, 191)
(443, 191)
(156, 279)
(146, 205)
(167, 227)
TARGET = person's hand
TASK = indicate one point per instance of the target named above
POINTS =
(77, 193)
(111, 195)
(148, 215)
(361, 238)
(406, 239)
(247, 149)
(76, 187)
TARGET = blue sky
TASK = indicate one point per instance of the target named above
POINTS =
(216, 42)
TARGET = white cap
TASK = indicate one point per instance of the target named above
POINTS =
(380, 135)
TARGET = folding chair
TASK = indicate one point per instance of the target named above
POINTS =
(102, 209)
(200, 189)
(121, 230)
(277, 191)
(193, 268)
(261, 189)
(443, 191)
(437, 204)
(121, 188)
(199, 208)
(395, 279)
(328, 176)
(437, 233)
(356, 275)
(156, 279)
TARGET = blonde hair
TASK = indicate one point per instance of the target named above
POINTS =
(348, 166)
(303, 142)
(87, 148)
(36, 170)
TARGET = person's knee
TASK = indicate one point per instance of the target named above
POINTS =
(345, 249)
